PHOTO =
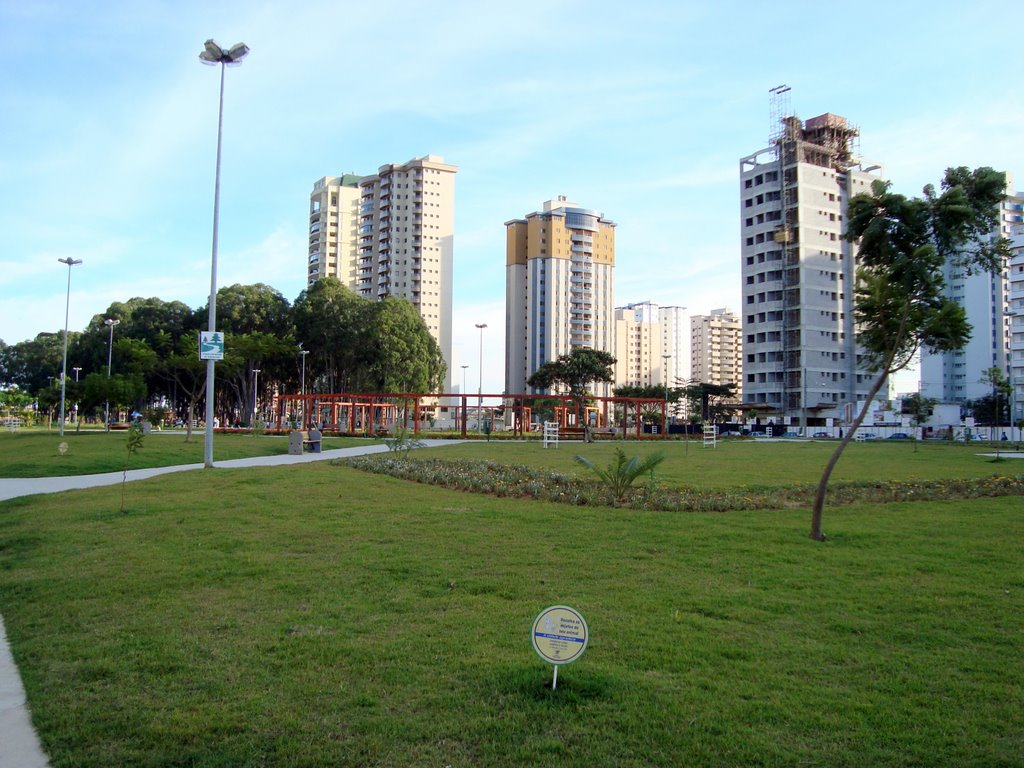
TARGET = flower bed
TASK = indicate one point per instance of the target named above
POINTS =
(522, 482)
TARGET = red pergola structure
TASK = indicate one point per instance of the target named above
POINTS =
(367, 413)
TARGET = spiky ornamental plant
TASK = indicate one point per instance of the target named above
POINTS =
(620, 475)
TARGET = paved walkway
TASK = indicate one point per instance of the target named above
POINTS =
(19, 744)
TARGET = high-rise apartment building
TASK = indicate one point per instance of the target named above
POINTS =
(956, 376)
(559, 287)
(1016, 311)
(333, 228)
(675, 342)
(638, 352)
(391, 234)
(652, 345)
(716, 348)
(800, 359)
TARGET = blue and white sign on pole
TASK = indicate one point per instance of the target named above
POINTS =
(211, 345)
(559, 636)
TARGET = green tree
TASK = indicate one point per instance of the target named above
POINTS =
(148, 330)
(991, 410)
(919, 409)
(903, 246)
(711, 403)
(333, 323)
(188, 373)
(252, 309)
(130, 391)
(244, 353)
(999, 410)
(404, 357)
(258, 332)
(32, 364)
(5, 364)
(575, 371)
(652, 391)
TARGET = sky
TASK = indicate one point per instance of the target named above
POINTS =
(640, 110)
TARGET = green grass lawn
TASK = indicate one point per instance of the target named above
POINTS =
(316, 615)
(756, 464)
(35, 453)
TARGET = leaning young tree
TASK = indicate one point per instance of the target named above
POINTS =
(904, 244)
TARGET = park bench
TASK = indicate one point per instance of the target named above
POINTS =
(299, 440)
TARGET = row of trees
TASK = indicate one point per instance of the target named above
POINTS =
(352, 344)
(693, 401)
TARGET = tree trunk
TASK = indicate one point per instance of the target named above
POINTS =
(819, 496)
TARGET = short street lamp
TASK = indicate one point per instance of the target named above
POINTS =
(480, 392)
(464, 416)
(664, 372)
(213, 54)
(64, 369)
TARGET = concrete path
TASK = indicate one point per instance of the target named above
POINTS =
(19, 744)
(12, 487)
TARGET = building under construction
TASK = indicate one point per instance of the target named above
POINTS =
(800, 362)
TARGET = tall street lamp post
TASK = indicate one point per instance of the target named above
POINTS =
(480, 392)
(302, 387)
(110, 322)
(255, 394)
(74, 408)
(64, 369)
(213, 54)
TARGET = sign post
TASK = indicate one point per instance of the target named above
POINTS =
(559, 636)
(211, 345)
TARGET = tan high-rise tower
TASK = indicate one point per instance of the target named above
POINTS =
(559, 287)
(391, 234)
(333, 228)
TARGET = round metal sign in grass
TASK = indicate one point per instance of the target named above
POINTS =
(559, 635)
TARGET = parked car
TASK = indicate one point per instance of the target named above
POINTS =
(867, 436)
(898, 436)
(791, 434)
(821, 434)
